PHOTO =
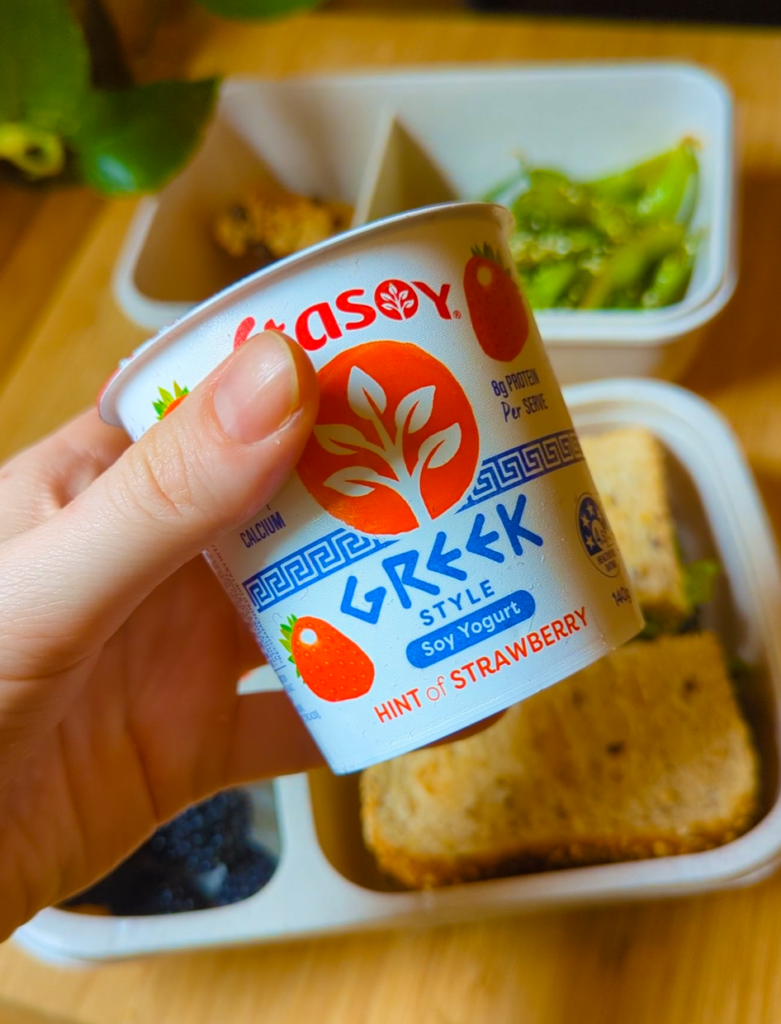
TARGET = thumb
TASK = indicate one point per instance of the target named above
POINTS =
(217, 458)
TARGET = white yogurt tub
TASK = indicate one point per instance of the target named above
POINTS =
(440, 552)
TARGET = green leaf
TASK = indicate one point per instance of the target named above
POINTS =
(247, 9)
(493, 256)
(699, 581)
(44, 65)
(287, 630)
(134, 140)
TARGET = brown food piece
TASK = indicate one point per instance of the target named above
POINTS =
(629, 473)
(643, 754)
(272, 227)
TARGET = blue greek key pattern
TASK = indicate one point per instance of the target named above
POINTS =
(517, 466)
(311, 563)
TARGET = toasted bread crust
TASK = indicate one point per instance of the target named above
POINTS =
(433, 872)
(629, 472)
(644, 754)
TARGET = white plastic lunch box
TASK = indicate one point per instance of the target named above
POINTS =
(326, 881)
(387, 143)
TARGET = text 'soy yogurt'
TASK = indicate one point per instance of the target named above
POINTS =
(441, 552)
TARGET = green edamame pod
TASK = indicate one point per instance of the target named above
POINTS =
(545, 287)
(627, 186)
(671, 278)
(629, 265)
(664, 187)
(617, 242)
(672, 195)
(613, 220)
(551, 201)
(529, 249)
(508, 190)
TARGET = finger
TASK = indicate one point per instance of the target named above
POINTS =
(221, 455)
(38, 482)
(269, 739)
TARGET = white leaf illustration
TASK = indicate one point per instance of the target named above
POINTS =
(416, 407)
(340, 438)
(440, 448)
(356, 481)
(360, 388)
(408, 303)
(393, 290)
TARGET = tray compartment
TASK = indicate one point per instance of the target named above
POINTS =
(335, 801)
(385, 143)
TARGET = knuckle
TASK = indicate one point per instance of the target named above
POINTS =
(164, 477)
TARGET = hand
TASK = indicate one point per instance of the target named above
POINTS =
(119, 651)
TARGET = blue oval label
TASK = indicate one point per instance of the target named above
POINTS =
(471, 629)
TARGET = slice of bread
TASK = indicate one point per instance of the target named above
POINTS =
(629, 473)
(643, 754)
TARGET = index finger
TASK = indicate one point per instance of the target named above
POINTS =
(42, 479)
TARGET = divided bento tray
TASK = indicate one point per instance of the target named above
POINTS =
(326, 881)
(393, 142)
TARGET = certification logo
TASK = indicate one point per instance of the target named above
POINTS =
(596, 536)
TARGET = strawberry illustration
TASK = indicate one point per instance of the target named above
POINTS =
(331, 664)
(496, 308)
(168, 402)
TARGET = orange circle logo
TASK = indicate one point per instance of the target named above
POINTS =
(395, 443)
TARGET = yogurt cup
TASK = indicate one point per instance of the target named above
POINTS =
(441, 552)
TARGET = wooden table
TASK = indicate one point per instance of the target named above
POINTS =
(712, 959)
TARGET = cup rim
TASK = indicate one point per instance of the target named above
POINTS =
(109, 395)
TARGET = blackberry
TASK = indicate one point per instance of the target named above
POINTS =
(246, 877)
(108, 892)
(172, 895)
(204, 858)
(210, 833)
(140, 886)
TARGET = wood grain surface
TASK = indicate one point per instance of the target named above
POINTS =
(709, 960)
